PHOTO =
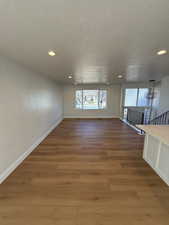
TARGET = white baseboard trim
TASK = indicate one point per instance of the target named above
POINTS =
(91, 117)
(15, 164)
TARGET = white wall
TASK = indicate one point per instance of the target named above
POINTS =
(113, 103)
(136, 85)
(29, 106)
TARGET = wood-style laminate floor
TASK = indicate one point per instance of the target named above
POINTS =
(86, 172)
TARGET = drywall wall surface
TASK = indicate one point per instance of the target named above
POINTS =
(30, 105)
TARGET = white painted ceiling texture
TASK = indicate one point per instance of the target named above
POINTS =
(94, 40)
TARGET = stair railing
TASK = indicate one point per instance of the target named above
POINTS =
(161, 119)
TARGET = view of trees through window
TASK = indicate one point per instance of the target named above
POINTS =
(91, 99)
(136, 97)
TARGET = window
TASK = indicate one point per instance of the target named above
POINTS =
(78, 99)
(91, 99)
(136, 97)
(143, 97)
(131, 97)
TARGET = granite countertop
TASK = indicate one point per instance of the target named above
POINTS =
(159, 131)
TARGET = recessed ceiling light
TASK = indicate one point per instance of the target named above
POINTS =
(70, 77)
(51, 53)
(120, 76)
(162, 52)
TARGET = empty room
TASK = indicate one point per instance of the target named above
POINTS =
(84, 112)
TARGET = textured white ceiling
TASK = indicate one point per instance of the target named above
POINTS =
(95, 40)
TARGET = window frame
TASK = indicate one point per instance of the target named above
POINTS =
(137, 99)
(96, 89)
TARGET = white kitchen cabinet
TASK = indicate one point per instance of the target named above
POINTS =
(151, 150)
(156, 149)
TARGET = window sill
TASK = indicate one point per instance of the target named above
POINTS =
(90, 109)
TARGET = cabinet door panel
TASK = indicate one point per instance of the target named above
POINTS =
(163, 164)
(152, 150)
